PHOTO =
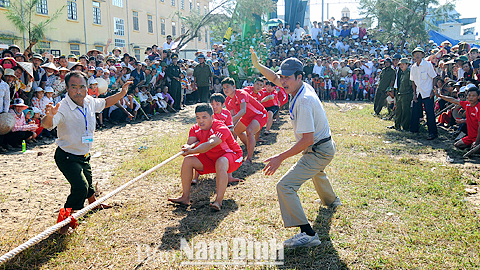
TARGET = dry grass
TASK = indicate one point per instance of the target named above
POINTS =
(403, 208)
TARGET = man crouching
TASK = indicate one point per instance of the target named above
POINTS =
(216, 152)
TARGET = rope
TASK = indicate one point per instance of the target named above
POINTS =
(79, 214)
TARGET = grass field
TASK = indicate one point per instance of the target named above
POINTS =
(403, 207)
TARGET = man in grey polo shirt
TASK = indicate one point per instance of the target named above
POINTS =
(312, 133)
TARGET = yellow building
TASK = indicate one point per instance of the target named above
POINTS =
(88, 24)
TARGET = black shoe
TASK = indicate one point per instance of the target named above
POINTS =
(391, 127)
(432, 136)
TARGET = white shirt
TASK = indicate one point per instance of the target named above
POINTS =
(309, 115)
(298, 33)
(170, 46)
(355, 31)
(368, 68)
(314, 32)
(4, 97)
(422, 75)
(318, 70)
(70, 121)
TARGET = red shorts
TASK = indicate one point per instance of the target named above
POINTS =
(468, 140)
(234, 162)
(261, 119)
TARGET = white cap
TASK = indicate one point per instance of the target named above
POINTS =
(48, 89)
(462, 89)
(39, 89)
(36, 110)
(93, 82)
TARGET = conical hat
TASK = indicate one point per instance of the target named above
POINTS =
(50, 65)
(102, 85)
(28, 67)
(7, 121)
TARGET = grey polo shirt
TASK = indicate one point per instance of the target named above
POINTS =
(308, 114)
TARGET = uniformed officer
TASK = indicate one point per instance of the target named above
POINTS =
(404, 97)
(387, 79)
(175, 89)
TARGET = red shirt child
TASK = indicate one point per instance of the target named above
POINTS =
(225, 116)
(255, 110)
(473, 117)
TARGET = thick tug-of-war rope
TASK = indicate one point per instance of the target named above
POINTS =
(32, 241)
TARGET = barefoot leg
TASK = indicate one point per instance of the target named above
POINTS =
(189, 164)
(221, 168)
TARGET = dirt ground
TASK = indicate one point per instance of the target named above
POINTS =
(32, 189)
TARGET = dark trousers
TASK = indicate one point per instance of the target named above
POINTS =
(417, 112)
(403, 111)
(203, 93)
(176, 92)
(78, 172)
(118, 115)
(380, 101)
(15, 138)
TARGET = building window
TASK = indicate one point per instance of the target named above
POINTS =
(75, 49)
(100, 48)
(119, 42)
(206, 35)
(205, 10)
(135, 21)
(174, 29)
(72, 9)
(137, 53)
(182, 30)
(44, 44)
(199, 36)
(119, 27)
(162, 27)
(118, 3)
(42, 7)
(150, 23)
(55, 53)
(163, 1)
(182, 4)
(191, 5)
(173, 3)
(198, 8)
(97, 15)
(4, 3)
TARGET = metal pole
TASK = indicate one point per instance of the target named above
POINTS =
(24, 38)
(128, 28)
(156, 19)
(322, 11)
(328, 8)
(85, 26)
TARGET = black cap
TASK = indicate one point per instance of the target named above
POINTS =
(289, 66)
(174, 56)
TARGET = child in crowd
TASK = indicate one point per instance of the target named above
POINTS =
(349, 83)
(316, 83)
(36, 120)
(342, 89)
(309, 79)
(93, 89)
(217, 86)
(49, 94)
(39, 101)
(333, 93)
(321, 88)
(328, 86)
(391, 104)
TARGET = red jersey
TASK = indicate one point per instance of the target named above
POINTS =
(258, 96)
(225, 116)
(254, 107)
(282, 96)
(473, 117)
(221, 131)
(271, 102)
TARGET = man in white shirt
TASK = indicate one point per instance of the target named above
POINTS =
(169, 44)
(355, 31)
(313, 140)
(315, 31)
(422, 74)
(298, 32)
(319, 68)
(74, 117)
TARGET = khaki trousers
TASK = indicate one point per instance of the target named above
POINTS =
(310, 166)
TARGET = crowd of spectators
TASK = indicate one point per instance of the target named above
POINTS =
(342, 61)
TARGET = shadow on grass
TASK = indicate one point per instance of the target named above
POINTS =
(324, 256)
(39, 254)
(200, 218)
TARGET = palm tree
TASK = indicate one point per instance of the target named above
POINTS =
(20, 13)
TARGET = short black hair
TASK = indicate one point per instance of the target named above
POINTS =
(299, 72)
(228, 80)
(473, 89)
(75, 73)
(270, 83)
(204, 107)
(218, 97)
(62, 57)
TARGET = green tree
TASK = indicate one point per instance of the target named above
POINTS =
(404, 19)
(20, 13)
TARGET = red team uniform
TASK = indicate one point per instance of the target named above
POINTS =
(255, 110)
(282, 96)
(473, 117)
(225, 116)
(258, 96)
(228, 148)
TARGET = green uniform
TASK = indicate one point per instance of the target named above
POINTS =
(404, 97)
(386, 77)
(175, 89)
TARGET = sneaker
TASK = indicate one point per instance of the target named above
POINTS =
(302, 240)
(335, 203)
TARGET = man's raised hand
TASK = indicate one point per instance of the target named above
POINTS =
(254, 56)
(51, 110)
